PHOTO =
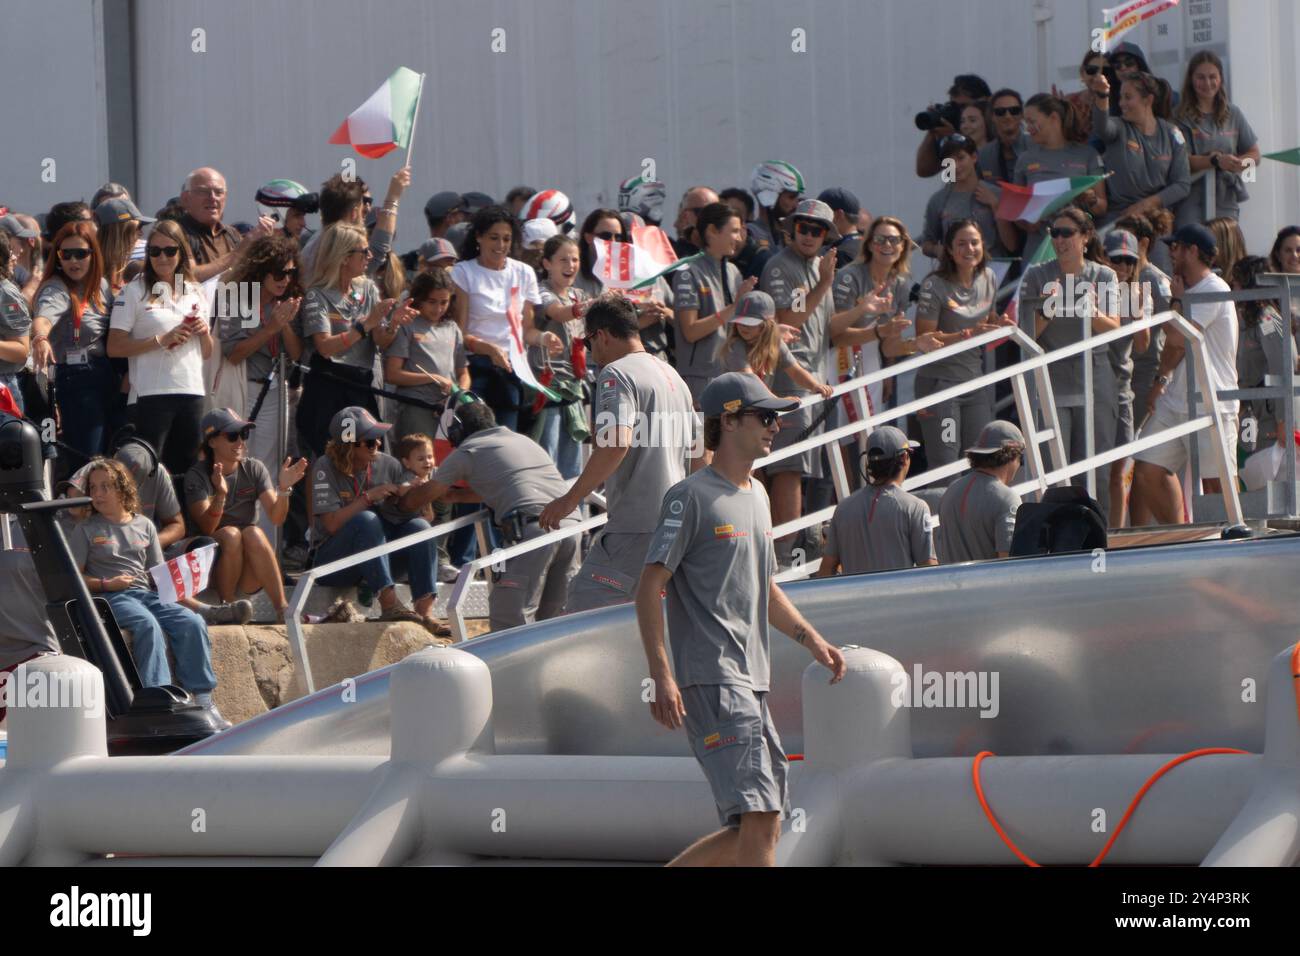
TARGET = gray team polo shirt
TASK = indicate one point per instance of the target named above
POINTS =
(330, 311)
(332, 490)
(106, 549)
(15, 320)
(784, 273)
(244, 486)
(508, 470)
(880, 528)
(569, 331)
(716, 539)
(701, 286)
(1063, 330)
(977, 516)
(428, 347)
(956, 308)
(1206, 136)
(646, 395)
(158, 501)
(1037, 164)
(231, 330)
(54, 303)
(989, 158)
(1142, 165)
(854, 281)
(948, 204)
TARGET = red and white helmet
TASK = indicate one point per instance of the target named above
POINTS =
(553, 205)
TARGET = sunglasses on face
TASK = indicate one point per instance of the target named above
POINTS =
(74, 254)
(1125, 63)
(358, 252)
(1062, 232)
(241, 435)
(1007, 111)
(371, 443)
(809, 229)
(1121, 261)
(610, 236)
(280, 275)
(1092, 70)
(589, 339)
(766, 417)
(887, 240)
(166, 252)
(367, 201)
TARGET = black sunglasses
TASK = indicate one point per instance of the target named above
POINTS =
(168, 252)
(1092, 70)
(241, 435)
(766, 417)
(589, 338)
(805, 228)
(1007, 110)
(278, 274)
(74, 254)
(367, 201)
(610, 236)
(1062, 232)
(371, 442)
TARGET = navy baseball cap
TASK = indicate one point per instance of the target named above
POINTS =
(119, 209)
(1121, 244)
(366, 425)
(736, 391)
(441, 205)
(222, 420)
(1194, 234)
(476, 201)
(837, 197)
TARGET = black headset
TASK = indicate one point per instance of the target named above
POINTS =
(455, 430)
(126, 436)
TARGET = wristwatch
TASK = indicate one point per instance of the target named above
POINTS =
(359, 327)
(1162, 380)
(1214, 161)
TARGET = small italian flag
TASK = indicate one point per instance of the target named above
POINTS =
(639, 263)
(1291, 156)
(1033, 203)
(384, 122)
(185, 575)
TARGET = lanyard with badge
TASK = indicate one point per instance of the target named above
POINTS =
(358, 491)
(76, 355)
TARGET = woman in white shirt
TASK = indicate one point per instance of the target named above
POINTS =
(495, 296)
(160, 325)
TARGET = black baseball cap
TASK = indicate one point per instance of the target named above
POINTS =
(837, 197)
(1194, 234)
(441, 205)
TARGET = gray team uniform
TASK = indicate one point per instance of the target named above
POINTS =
(15, 322)
(977, 517)
(1147, 364)
(106, 549)
(702, 286)
(54, 302)
(426, 347)
(647, 395)
(1142, 165)
(1206, 136)
(1037, 164)
(1067, 374)
(244, 487)
(25, 628)
(954, 308)
(326, 309)
(716, 539)
(735, 358)
(512, 474)
(990, 163)
(949, 204)
(880, 528)
(784, 273)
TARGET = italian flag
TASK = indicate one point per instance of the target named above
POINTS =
(1291, 156)
(639, 263)
(385, 121)
(185, 575)
(1033, 203)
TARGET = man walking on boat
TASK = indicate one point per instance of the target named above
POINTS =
(715, 538)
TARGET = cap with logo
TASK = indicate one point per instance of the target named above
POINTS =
(364, 424)
(994, 435)
(222, 420)
(441, 205)
(431, 250)
(814, 210)
(754, 308)
(1121, 244)
(1194, 234)
(14, 226)
(839, 198)
(736, 391)
(537, 231)
(887, 441)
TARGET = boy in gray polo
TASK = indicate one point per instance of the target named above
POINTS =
(880, 527)
(715, 539)
(977, 513)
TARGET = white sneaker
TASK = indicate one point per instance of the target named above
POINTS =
(448, 573)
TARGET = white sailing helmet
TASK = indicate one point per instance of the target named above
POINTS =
(553, 205)
(645, 197)
(773, 177)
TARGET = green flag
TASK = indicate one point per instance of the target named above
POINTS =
(1291, 156)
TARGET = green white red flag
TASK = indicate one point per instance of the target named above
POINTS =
(385, 121)
(1033, 203)
(639, 263)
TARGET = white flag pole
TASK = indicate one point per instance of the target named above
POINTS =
(414, 119)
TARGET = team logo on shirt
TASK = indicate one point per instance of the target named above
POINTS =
(1134, 146)
(99, 539)
(728, 531)
(675, 507)
(1033, 167)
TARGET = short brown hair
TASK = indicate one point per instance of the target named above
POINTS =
(411, 442)
(121, 480)
(713, 432)
(1004, 456)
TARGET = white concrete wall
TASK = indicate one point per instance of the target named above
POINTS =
(585, 90)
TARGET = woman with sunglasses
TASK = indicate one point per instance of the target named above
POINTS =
(955, 303)
(15, 325)
(654, 310)
(159, 324)
(1055, 153)
(72, 309)
(343, 321)
(967, 198)
(1155, 282)
(269, 269)
(705, 295)
(1145, 155)
(1080, 102)
(222, 492)
(1072, 289)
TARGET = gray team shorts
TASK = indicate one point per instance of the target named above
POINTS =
(610, 573)
(736, 744)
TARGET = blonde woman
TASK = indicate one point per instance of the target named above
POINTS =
(160, 325)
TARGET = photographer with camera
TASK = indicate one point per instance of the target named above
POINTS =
(940, 120)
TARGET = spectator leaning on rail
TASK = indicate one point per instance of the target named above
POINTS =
(645, 430)
(222, 492)
(977, 513)
(714, 538)
(880, 527)
(114, 549)
(516, 479)
(348, 482)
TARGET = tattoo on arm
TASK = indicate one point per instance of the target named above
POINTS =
(801, 633)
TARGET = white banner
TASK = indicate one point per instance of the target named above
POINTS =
(184, 576)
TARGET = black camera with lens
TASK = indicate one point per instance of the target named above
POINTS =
(936, 114)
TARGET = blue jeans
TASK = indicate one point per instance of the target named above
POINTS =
(11, 381)
(462, 545)
(367, 530)
(498, 388)
(555, 440)
(86, 409)
(153, 625)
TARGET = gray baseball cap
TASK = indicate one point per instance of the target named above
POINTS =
(440, 205)
(1121, 244)
(437, 248)
(365, 424)
(221, 420)
(816, 211)
(119, 210)
(13, 225)
(994, 435)
(754, 308)
(887, 441)
(735, 391)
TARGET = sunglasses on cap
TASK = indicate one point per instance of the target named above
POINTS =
(1062, 232)
(805, 228)
(75, 255)
(165, 252)
(1007, 110)
(241, 435)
